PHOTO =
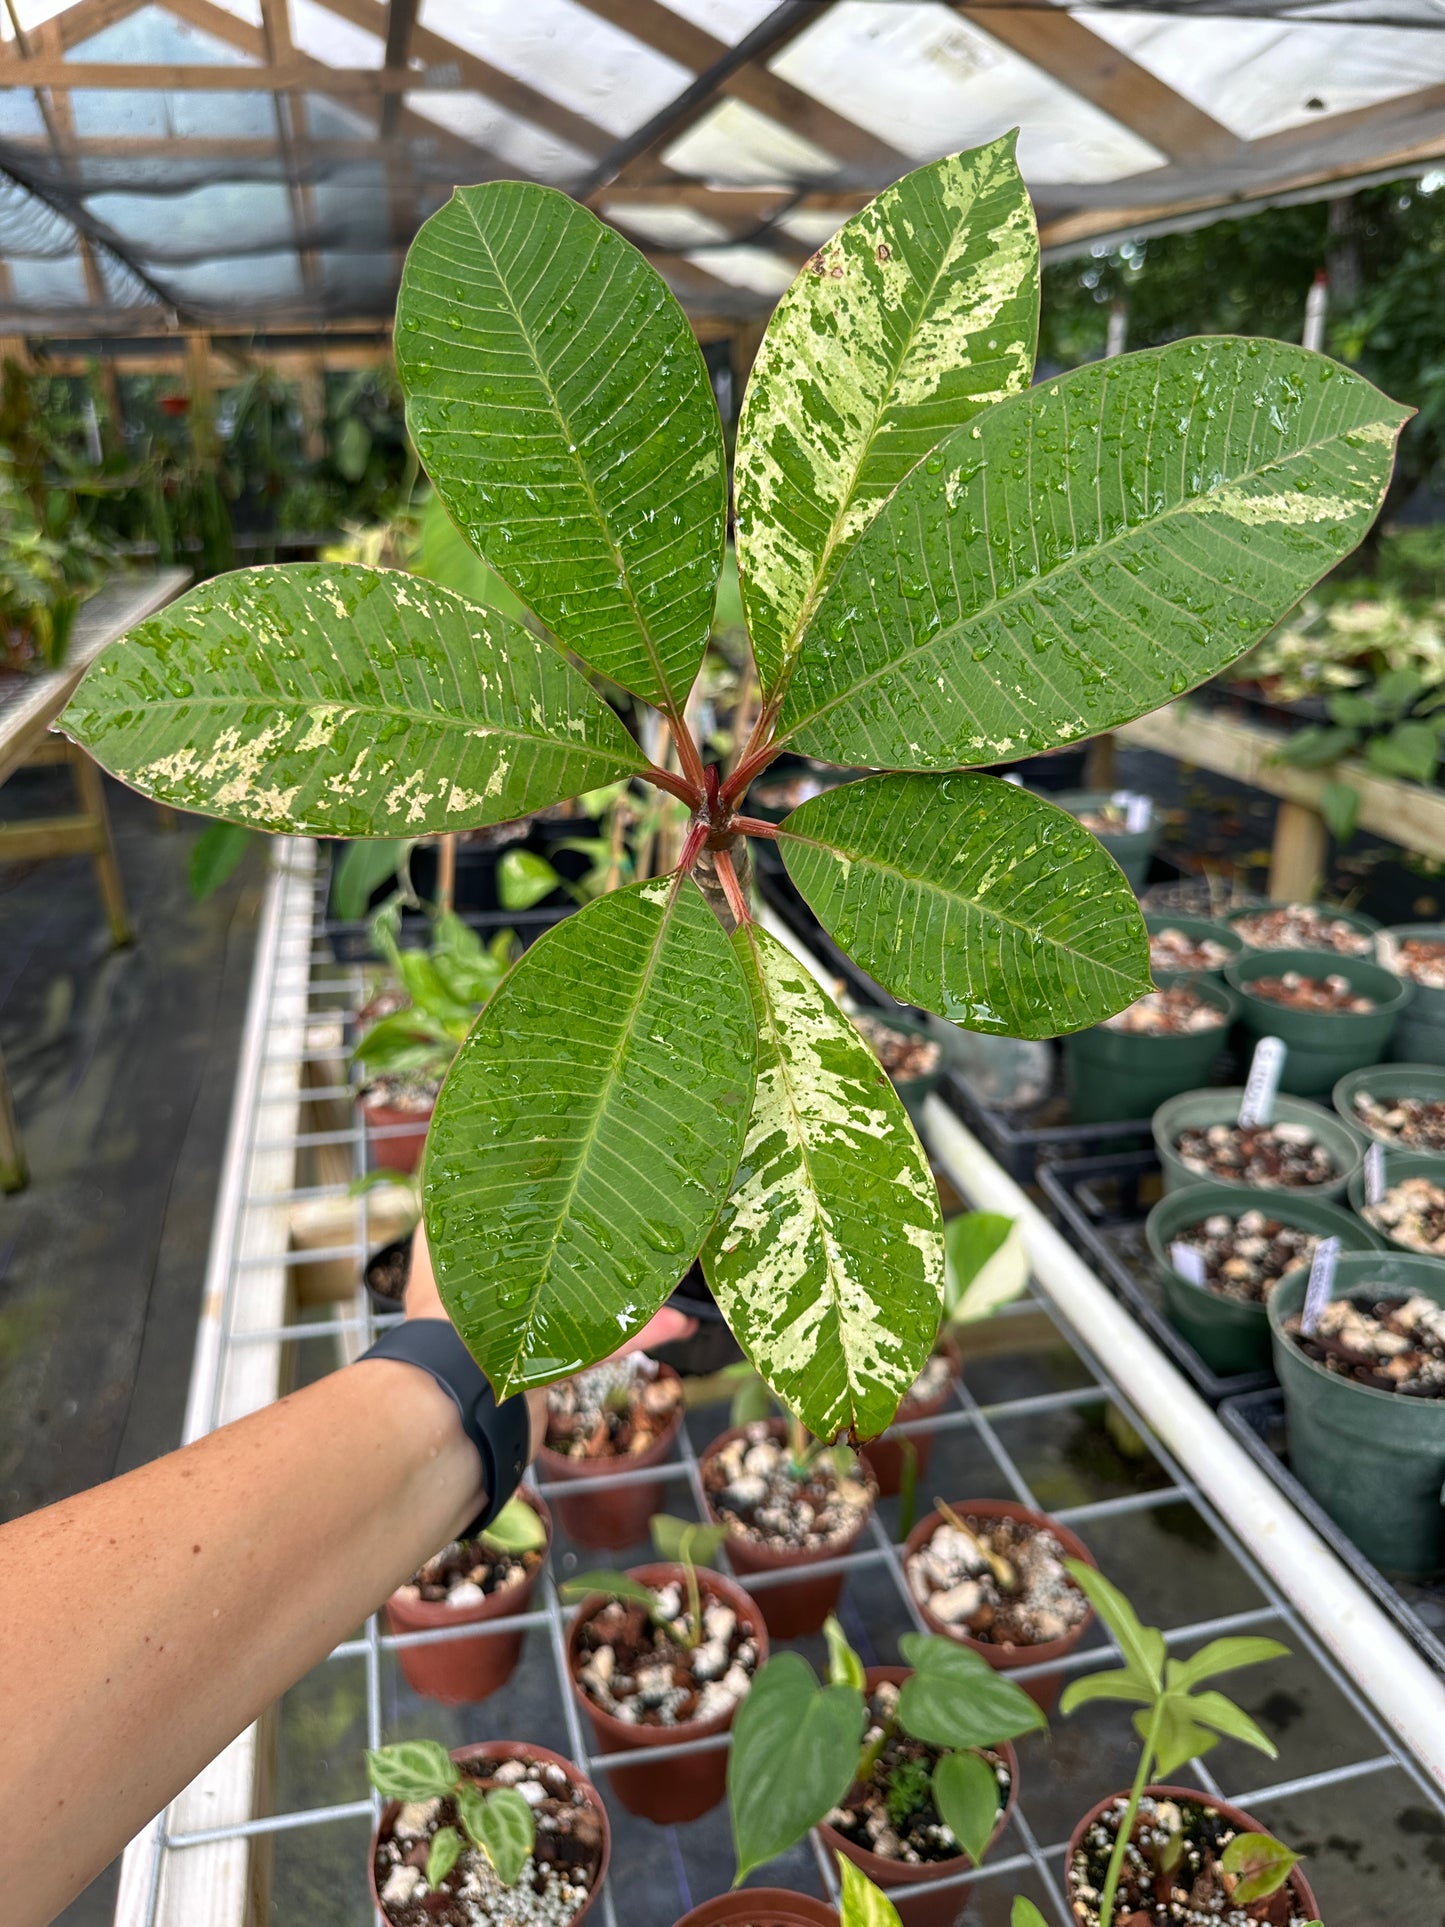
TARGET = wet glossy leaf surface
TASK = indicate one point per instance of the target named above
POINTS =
(346, 701)
(972, 898)
(827, 1259)
(563, 410)
(588, 1132)
(1085, 551)
(919, 312)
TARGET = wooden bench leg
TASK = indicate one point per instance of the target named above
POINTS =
(14, 1173)
(107, 870)
(1297, 860)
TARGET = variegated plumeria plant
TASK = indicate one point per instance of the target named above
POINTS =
(941, 567)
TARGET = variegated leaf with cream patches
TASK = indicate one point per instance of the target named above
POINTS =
(344, 701)
(588, 1132)
(918, 313)
(1084, 551)
(827, 1259)
(972, 898)
(563, 410)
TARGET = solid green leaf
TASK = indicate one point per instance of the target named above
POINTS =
(214, 856)
(612, 1585)
(1340, 807)
(524, 878)
(844, 1666)
(793, 1756)
(921, 310)
(685, 1542)
(827, 1259)
(1317, 746)
(966, 1793)
(1120, 1684)
(1026, 1914)
(861, 1904)
(443, 554)
(470, 969)
(1177, 1737)
(1260, 1863)
(411, 1770)
(1214, 1709)
(985, 1265)
(517, 1528)
(1221, 1656)
(1411, 750)
(1142, 1646)
(362, 867)
(405, 1040)
(563, 410)
(973, 898)
(330, 698)
(442, 1855)
(1084, 551)
(751, 1401)
(588, 1132)
(954, 1698)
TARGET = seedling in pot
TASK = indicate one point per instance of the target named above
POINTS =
(1180, 1717)
(499, 1823)
(446, 984)
(682, 1542)
(940, 565)
(800, 1747)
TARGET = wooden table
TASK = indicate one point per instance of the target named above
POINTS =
(28, 707)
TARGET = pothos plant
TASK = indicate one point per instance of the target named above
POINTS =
(940, 566)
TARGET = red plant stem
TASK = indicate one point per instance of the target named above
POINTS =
(688, 753)
(676, 786)
(753, 826)
(752, 765)
(698, 833)
(732, 889)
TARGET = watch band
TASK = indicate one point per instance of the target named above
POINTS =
(500, 1432)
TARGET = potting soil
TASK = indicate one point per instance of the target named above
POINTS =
(1176, 1012)
(751, 1485)
(613, 1410)
(1421, 960)
(1191, 1893)
(1417, 1123)
(1331, 995)
(640, 1673)
(1245, 1257)
(1412, 1212)
(1176, 950)
(1000, 1580)
(1281, 1155)
(466, 1572)
(1303, 926)
(1390, 1344)
(901, 1056)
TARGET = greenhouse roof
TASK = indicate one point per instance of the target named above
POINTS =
(265, 162)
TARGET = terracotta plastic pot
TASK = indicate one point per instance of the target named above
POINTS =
(458, 1670)
(535, 1756)
(895, 1877)
(884, 1456)
(399, 1153)
(1236, 1816)
(613, 1517)
(687, 1786)
(796, 1607)
(761, 1907)
(1221, 1106)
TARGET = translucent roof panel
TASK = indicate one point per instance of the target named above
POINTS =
(526, 149)
(269, 280)
(726, 20)
(675, 226)
(756, 268)
(324, 35)
(154, 35)
(736, 146)
(244, 214)
(48, 284)
(811, 226)
(20, 114)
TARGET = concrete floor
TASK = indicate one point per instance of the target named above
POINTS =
(122, 1065)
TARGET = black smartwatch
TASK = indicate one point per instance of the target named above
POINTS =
(501, 1433)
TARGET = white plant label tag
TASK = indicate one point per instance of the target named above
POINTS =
(1262, 1085)
(1322, 1282)
(1374, 1174)
(1014, 778)
(1188, 1261)
(1137, 809)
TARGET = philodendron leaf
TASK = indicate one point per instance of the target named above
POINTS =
(502, 1824)
(361, 868)
(411, 1770)
(985, 1265)
(685, 1541)
(1025, 1914)
(1084, 551)
(861, 1904)
(553, 384)
(517, 1529)
(954, 1698)
(795, 1746)
(443, 1854)
(966, 1793)
(214, 857)
(827, 1259)
(1221, 1656)
(919, 312)
(611, 1585)
(1142, 1647)
(973, 898)
(1260, 1863)
(588, 1132)
(330, 698)
(844, 1666)
(1177, 1737)
(1220, 1712)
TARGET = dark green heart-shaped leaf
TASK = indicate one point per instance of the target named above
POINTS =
(588, 1132)
(411, 1770)
(562, 407)
(827, 1259)
(966, 1793)
(955, 1698)
(972, 898)
(344, 701)
(1084, 551)
(794, 1753)
(921, 310)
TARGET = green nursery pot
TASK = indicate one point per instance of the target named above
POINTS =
(1114, 1074)
(1195, 927)
(1387, 1081)
(1356, 919)
(1221, 1106)
(1398, 1165)
(1420, 1034)
(1228, 1335)
(1321, 1045)
(1130, 849)
(1373, 1460)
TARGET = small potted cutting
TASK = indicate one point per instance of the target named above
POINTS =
(1302, 1148)
(620, 1416)
(788, 1502)
(1416, 952)
(1401, 1106)
(473, 1580)
(662, 1655)
(1165, 1042)
(1161, 1854)
(1336, 1013)
(907, 1771)
(462, 1832)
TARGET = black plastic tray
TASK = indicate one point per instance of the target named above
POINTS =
(1257, 1420)
(1098, 1201)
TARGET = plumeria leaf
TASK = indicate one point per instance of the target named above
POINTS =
(827, 1259)
(562, 407)
(794, 1750)
(330, 698)
(966, 1793)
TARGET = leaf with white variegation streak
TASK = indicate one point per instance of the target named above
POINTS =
(827, 1259)
(972, 898)
(1084, 551)
(588, 1132)
(919, 312)
(344, 701)
(563, 409)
